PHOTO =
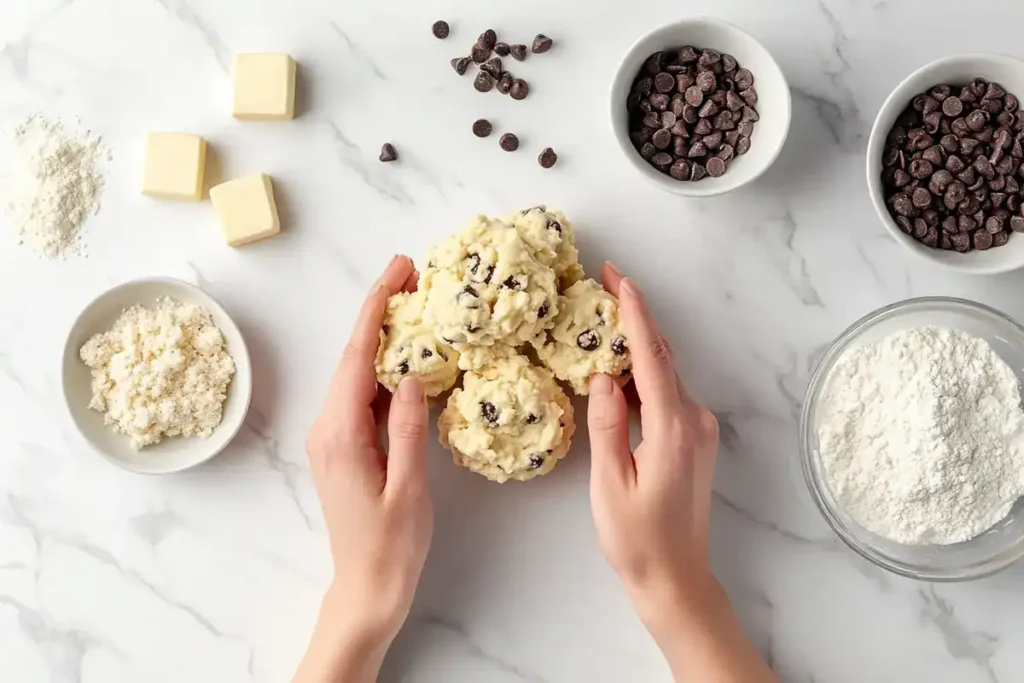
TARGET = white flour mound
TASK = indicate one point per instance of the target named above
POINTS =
(922, 436)
(161, 371)
(60, 186)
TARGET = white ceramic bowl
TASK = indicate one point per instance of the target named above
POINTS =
(171, 454)
(774, 105)
(955, 70)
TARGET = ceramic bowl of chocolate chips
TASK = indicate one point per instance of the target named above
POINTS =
(699, 107)
(945, 163)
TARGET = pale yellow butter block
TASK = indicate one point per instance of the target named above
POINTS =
(264, 86)
(246, 209)
(175, 163)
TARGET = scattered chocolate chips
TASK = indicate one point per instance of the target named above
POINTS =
(461, 64)
(504, 85)
(482, 128)
(509, 142)
(951, 167)
(388, 152)
(692, 112)
(488, 39)
(441, 29)
(502, 49)
(480, 54)
(492, 66)
(520, 89)
(541, 44)
(547, 159)
(518, 52)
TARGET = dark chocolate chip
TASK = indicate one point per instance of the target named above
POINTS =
(482, 128)
(489, 412)
(542, 312)
(547, 158)
(488, 39)
(509, 142)
(492, 66)
(541, 44)
(662, 160)
(479, 54)
(504, 84)
(716, 167)
(460, 64)
(619, 346)
(664, 82)
(680, 171)
(441, 29)
(502, 49)
(403, 367)
(532, 419)
(483, 81)
(426, 353)
(662, 139)
(388, 152)
(520, 89)
(588, 340)
(536, 461)
(518, 52)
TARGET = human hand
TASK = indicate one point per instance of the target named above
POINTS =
(376, 504)
(651, 506)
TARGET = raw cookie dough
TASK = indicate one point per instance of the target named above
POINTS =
(586, 338)
(510, 420)
(475, 357)
(408, 347)
(483, 286)
(550, 235)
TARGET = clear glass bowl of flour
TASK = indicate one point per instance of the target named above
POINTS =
(991, 551)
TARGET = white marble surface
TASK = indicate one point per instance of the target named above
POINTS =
(215, 575)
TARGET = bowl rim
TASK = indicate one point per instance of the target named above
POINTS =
(689, 189)
(816, 383)
(873, 163)
(243, 367)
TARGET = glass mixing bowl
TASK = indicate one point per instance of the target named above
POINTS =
(993, 550)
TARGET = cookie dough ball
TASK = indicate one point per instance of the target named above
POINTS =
(586, 338)
(510, 420)
(550, 235)
(409, 347)
(476, 357)
(483, 286)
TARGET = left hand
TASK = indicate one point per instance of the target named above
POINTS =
(376, 504)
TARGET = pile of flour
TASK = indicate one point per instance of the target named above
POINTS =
(922, 436)
(59, 186)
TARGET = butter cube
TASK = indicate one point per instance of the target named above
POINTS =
(174, 166)
(264, 86)
(246, 209)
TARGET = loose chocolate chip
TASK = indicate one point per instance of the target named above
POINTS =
(680, 171)
(460, 64)
(487, 39)
(933, 155)
(479, 54)
(588, 340)
(547, 158)
(728, 63)
(994, 224)
(541, 44)
(679, 146)
(483, 81)
(716, 167)
(982, 239)
(668, 119)
(708, 110)
(744, 79)
(518, 52)
(441, 29)
(713, 140)
(662, 160)
(504, 84)
(976, 120)
(706, 81)
(492, 66)
(482, 128)
(520, 89)
(952, 106)
(502, 49)
(662, 139)
(694, 96)
(688, 55)
(1017, 224)
(698, 149)
(703, 127)
(648, 151)
(920, 169)
(921, 198)
(698, 172)
(388, 152)
(664, 82)
(536, 461)
(489, 412)
(509, 142)
(743, 146)
(652, 120)
(902, 204)
(659, 102)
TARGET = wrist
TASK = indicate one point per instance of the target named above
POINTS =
(670, 604)
(346, 644)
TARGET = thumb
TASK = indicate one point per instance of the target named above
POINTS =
(407, 434)
(608, 422)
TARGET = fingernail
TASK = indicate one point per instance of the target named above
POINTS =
(611, 267)
(600, 385)
(409, 390)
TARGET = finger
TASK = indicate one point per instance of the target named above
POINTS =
(407, 437)
(611, 278)
(411, 282)
(355, 383)
(653, 371)
(608, 423)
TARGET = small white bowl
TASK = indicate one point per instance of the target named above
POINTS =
(955, 70)
(172, 454)
(774, 105)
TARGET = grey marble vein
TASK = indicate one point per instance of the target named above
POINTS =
(154, 526)
(829, 544)
(356, 159)
(960, 641)
(356, 51)
(728, 434)
(842, 115)
(256, 423)
(454, 628)
(778, 236)
(62, 649)
(187, 14)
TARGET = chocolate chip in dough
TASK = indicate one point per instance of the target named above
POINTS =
(588, 340)
(489, 412)
(536, 461)
(619, 344)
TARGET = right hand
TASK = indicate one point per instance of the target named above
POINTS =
(652, 506)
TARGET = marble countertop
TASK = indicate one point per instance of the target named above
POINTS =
(215, 575)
